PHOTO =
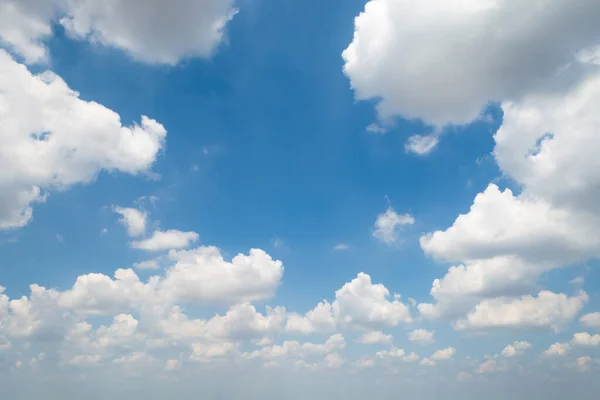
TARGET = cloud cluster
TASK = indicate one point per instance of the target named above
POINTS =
(507, 240)
(51, 140)
(150, 31)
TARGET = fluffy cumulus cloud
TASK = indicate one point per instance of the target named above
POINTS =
(515, 349)
(320, 320)
(444, 62)
(202, 274)
(151, 31)
(359, 304)
(585, 339)
(133, 219)
(546, 310)
(51, 140)
(591, 320)
(422, 336)
(375, 337)
(444, 354)
(362, 304)
(557, 349)
(389, 223)
(507, 240)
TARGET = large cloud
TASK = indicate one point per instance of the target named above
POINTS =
(547, 310)
(50, 139)
(506, 241)
(359, 304)
(151, 31)
(443, 61)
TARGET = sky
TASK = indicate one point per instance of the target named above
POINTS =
(266, 199)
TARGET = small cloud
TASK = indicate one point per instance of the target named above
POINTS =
(341, 247)
(278, 243)
(420, 144)
(148, 264)
(103, 231)
(195, 168)
(376, 128)
(577, 281)
(388, 224)
(422, 336)
(60, 238)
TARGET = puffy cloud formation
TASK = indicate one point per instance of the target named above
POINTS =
(150, 31)
(585, 339)
(51, 140)
(591, 320)
(167, 240)
(320, 319)
(133, 219)
(506, 241)
(202, 274)
(515, 349)
(421, 336)
(388, 224)
(443, 62)
(359, 304)
(445, 354)
(487, 366)
(546, 310)
(557, 349)
(375, 337)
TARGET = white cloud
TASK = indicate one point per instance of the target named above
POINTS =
(557, 349)
(507, 241)
(421, 145)
(396, 353)
(585, 339)
(203, 275)
(421, 336)
(445, 354)
(426, 362)
(583, 363)
(487, 366)
(546, 310)
(334, 361)
(51, 140)
(502, 225)
(133, 219)
(361, 303)
(293, 349)
(166, 240)
(591, 320)
(341, 246)
(388, 224)
(515, 349)
(444, 62)
(375, 128)
(577, 281)
(155, 33)
(375, 337)
(206, 352)
(320, 319)
(23, 24)
(148, 264)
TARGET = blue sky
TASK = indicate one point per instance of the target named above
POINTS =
(402, 152)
